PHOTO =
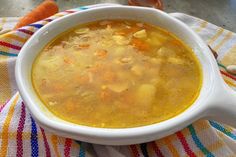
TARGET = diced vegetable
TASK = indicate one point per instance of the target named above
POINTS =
(140, 44)
(82, 30)
(157, 60)
(120, 40)
(140, 34)
(154, 42)
(119, 51)
(84, 46)
(68, 60)
(145, 94)
(137, 70)
(118, 87)
(52, 103)
(174, 60)
(159, 36)
(101, 53)
(126, 60)
(165, 52)
(140, 24)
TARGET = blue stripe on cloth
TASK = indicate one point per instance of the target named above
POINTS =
(36, 25)
(34, 139)
(7, 54)
(83, 8)
(81, 150)
(223, 129)
(198, 142)
(143, 148)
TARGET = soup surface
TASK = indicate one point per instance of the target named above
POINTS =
(116, 74)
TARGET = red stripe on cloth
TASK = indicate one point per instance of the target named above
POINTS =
(2, 106)
(156, 149)
(134, 150)
(47, 149)
(185, 144)
(20, 128)
(228, 75)
(10, 45)
(25, 31)
(67, 147)
(69, 11)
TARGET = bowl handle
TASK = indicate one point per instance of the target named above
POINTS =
(223, 105)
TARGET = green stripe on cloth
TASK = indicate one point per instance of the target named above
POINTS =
(8, 54)
(198, 142)
(223, 129)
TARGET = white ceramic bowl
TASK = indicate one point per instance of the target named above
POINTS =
(216, 100)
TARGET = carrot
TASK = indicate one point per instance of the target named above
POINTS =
(42, 11)
(101, 53)
(139, 44)
(84, 46)
(67, 60)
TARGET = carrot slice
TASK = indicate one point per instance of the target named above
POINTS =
(140, 44)
(126, 31)
(42, 11)
(101, 53)
(84, 46)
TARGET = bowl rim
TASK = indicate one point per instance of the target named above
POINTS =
(110, 133)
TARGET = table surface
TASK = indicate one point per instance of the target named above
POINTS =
(219, 12)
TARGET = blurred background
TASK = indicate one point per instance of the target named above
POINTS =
(219, 12)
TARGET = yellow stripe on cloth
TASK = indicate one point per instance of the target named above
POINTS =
(54, 140)
(201, 27)
(6, 124)
(228, 36)
(25, 135)
(168, 141)
(215, 37)
(14, 37)
(4, 20)
(5, 87)
(230, 56)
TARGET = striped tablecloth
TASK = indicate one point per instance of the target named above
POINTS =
(21, 136)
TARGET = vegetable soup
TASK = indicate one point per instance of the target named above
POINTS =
(116, 74)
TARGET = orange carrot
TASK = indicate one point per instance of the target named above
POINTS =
(101, 53)
(139, 44)
(84, 46)
(68, 60)
(44, 10)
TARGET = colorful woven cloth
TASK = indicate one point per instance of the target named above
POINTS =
(21, 136)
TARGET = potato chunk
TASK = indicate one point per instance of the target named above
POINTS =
(140, 34)
(137, 70)
(82, 30)
(176, 61)
(145, 94)
(120, 40)
(118, 87)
